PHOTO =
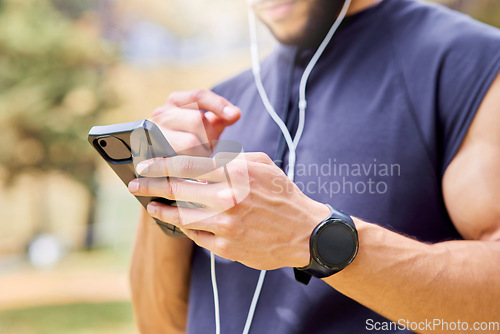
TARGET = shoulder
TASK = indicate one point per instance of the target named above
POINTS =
(436, 29)
(471, 184)
(447, 61)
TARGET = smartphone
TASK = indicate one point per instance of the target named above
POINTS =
(124, 145)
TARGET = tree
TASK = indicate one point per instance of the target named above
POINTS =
(51, 91)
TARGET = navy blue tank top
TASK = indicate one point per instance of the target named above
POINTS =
(389, 104)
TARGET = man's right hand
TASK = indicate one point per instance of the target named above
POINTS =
(160, 266)
(192, 120)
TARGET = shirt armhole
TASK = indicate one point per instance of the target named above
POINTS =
(479, 94)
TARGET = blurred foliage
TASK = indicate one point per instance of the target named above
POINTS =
(74, 9)
(51, 89)
(487, 11)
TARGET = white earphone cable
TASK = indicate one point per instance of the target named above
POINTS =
(255, 299)
(291, 143)
(309, 68)
(215, 292)
(254, 49)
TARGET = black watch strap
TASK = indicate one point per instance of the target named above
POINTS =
(315, 268)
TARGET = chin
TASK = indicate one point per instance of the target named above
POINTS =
(308, 25)
(300, 39)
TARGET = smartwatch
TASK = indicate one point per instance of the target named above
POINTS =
(333, 246)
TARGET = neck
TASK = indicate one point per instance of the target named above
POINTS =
(359, 5)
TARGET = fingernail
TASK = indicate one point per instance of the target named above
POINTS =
(230, 111)
(142, 168)
(152, 208)
(133, 186)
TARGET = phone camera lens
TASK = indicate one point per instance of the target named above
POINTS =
(103, 143)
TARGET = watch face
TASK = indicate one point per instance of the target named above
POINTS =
(335, 244)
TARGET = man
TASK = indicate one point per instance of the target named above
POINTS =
(401, 133)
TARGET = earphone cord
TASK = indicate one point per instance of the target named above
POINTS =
(291, 143)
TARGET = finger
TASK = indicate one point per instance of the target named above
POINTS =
(209, 101)
(184, 218)
(219, 245)
(223, 157)
(205, 228)
(187, 120)
(185, 143)
(203, 239)
(218, 123)
(215, 195)
(258, 157)
(168, 106)
(182, 166)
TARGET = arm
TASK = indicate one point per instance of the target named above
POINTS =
(159, 277)
(455, 280)
(403, 279)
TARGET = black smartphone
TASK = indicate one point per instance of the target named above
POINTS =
(124, 145)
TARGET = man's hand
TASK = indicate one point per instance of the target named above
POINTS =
(161, 266)
(252, 213)
(192, 120)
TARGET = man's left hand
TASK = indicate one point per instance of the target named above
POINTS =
(251, 212)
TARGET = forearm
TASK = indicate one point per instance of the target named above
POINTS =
(401, 278)
(159, 277)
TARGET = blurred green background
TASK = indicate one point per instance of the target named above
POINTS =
(67, 222)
